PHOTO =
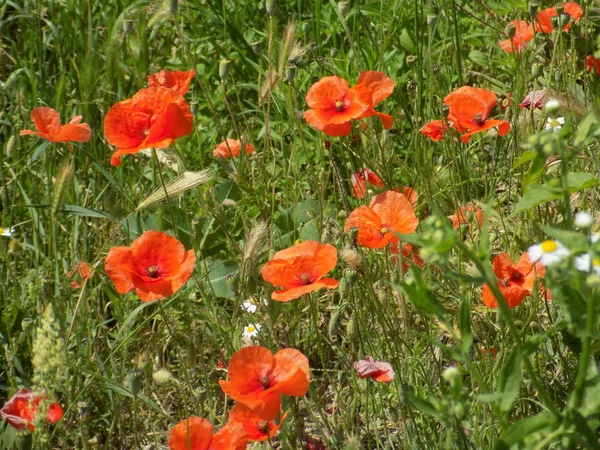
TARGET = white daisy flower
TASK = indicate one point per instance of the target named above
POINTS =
(7, 232)
(554, 124)
(251, 330)
(547, 252)
(251, 305)
(583, 219)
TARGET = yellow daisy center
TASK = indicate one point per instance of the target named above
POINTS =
(555, 123)
(549, 246)
(250, 329)
(595, 262)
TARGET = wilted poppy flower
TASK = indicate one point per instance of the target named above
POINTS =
(156, 266)
(387, 213)
(544, 23)
(301, 269)
(84, 272)
(333, 105)
(257, 379)
(515, 281)
(381, 87)
(231, 147)
(534, 100)
(361, 178)
(523, 34)
(196, 433)
(47, 122)
(152, 118)
(467, 215)
(378, 370)
(592, 64)
(20, 411)
(256, 428)
(434, 130)
(470, 107)
(173, 79)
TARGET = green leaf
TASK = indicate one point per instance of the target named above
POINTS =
(479, 58)
(586, 129)
(525, 427)
(218, 271)
(527, 156)
(423, 406)
(85, 212)
(509, 381)
(421, 295)
(464, 324)
(407, 42)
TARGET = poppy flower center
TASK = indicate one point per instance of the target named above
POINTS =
(265, 381)
(305, 279)
(154, 271)
(339, 105)
(479, 120)
(263, 426)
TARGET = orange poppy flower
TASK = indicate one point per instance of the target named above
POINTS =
(434, 130)
(523, 34)
(21, 410)
(592, 64)
(470, 108)
(173, 79)
(231, 147)
(258, 379)
(301, 269)
(333, 105)
(377, 370)
(152, 118)
(410, 255)
(84, 272)
(466, 215)
(156, 266)
(515, 281)
(387, 213)
(256, 429)
(544, 24)
(196, 433)
(47, 122)
(361, 178)
(381, 87)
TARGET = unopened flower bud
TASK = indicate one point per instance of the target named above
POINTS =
(162, 376)
(257, 47)
(445, 111)
(224, 68)
(565, 18)
(350, 275)
(536, 69)
(194, 107)
(127, 27)
(271, 7)
(134, 381)
(510, 30)
(411, 61)
(411, 85)
(583, 220)
(290, 73)
(342, 214)
(555, 22)
(344, 7)
(432, 20)
(533, 8)
(558, 75)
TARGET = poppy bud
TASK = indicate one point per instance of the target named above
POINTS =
(271, 7)
(558, 75)
(432, 20)
(350, 275)
(305, 27)
(353, 234)
(510, 30)
(10, 145)
(224, 68)
(560, 8)
(565, 18)
(194, 107)
(445, 111)
(173, 6)
(82, 409)
(352, 327)
(435, 69)
(411, 85)
(536, 69)
(344, 7)
(290, 73)
(555, 21)
(134, 381)
(533, 8)
(332, 52)
(334, 322)
(257, 47)
(127, 27)
(411, 60)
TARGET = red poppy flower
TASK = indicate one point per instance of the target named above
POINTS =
(381, 87)
(544, 23)
(515, 281)
(173, 79)
(256, 428)
(84, 272)
(434, 130)
(196, 433)
(470, 107)
(21, 409)
(410, 255)
(156, 266)
(301, 269)
(231, 147)
(152, 118)
(534, 100)
(592, 64)
(258, 379)
(47, 122)
(361, 178)
(466, 215)
(378, 370)
(333, 105)
(523, 34)
(387, 213)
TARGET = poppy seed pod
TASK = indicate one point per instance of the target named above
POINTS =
(555, 22)
(27, 325)
(134, 381)
(558, 75)
(533, 8)
(290, 73)
(271, 7)
(432, 20)
(344, 8)
(224, 68)
(565, 18)
(305, 27)
(560, 8)
(257, 47)
(127, 27)
(510, 30)
(411, 60)
(536, 69)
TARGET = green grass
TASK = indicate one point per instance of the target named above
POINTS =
(81, 57)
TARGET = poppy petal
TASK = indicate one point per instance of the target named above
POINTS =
(119, 269)
(325, 92)
(195, 433)
(395, 211)
(335, 130)
(379, 83)
(295, 292)
(231, 437)
(249, 366)
(45, 119)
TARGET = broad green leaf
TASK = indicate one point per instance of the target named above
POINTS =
(407, 42)
(423, 406)
(85, 212)
(525, 427)
(218, 272)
